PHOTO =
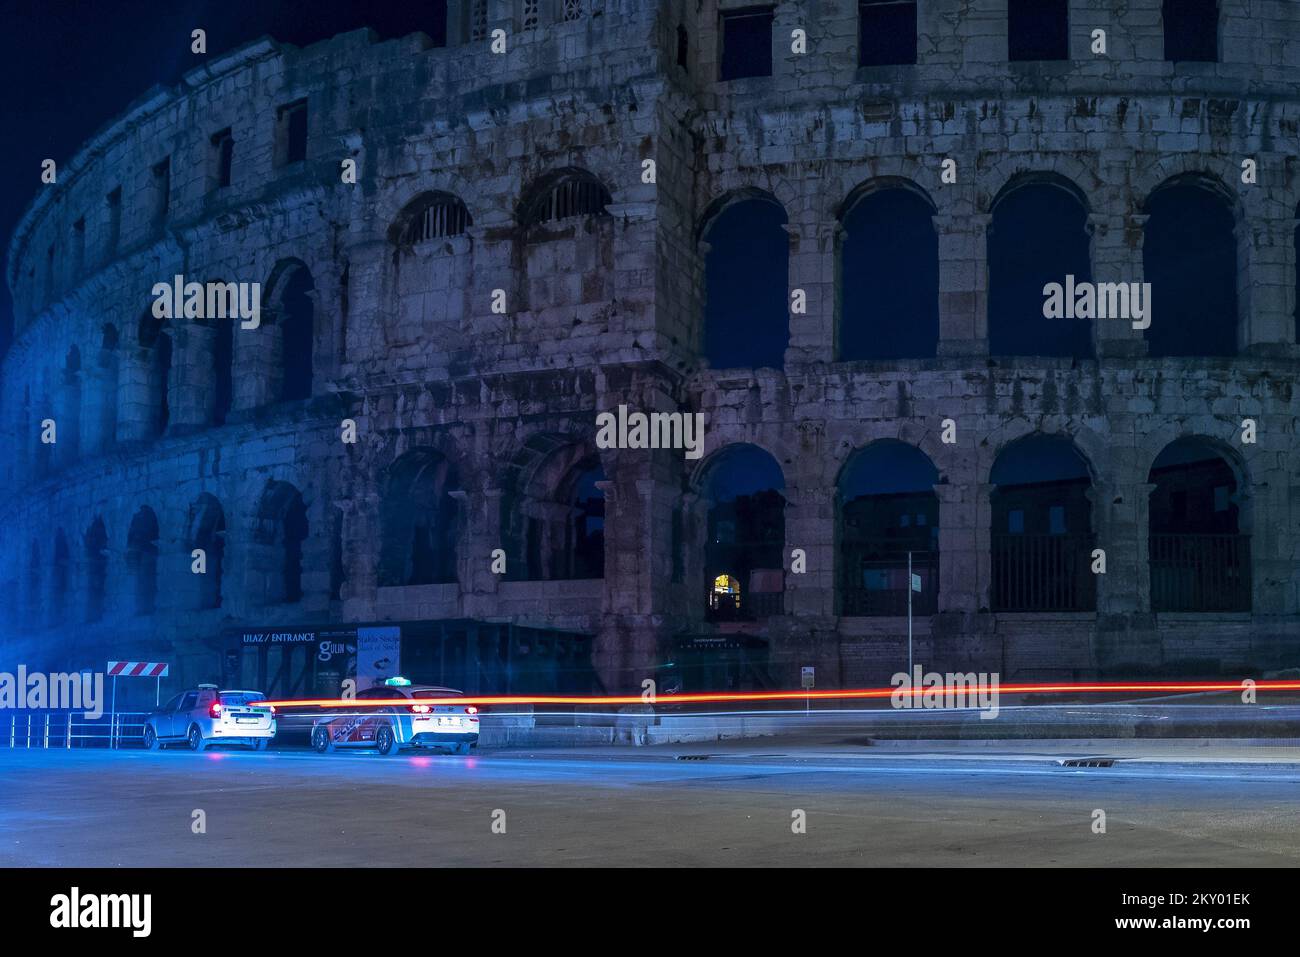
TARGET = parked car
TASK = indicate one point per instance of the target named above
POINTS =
(432, 720)
(207, 715)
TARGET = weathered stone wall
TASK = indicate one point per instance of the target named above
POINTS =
(607, 310)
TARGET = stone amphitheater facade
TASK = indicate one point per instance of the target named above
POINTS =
(608, 309)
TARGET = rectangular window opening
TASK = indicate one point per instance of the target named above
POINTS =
(746, 38)
(886, 32)
(1038, 30)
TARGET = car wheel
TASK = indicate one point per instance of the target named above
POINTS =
(385, 741)
(321, 741)
(151, 739)
(462, 748)
(196, 739)
(260, 744)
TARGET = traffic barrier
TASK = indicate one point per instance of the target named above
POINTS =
(73, 729)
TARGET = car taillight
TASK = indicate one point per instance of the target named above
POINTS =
(420, 708)
(215, 710)
(471, 710)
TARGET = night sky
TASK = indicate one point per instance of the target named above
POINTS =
(70, 66)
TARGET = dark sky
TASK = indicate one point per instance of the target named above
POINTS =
(69, 66)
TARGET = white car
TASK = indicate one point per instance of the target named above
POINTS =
(207, 715)
(433, 719)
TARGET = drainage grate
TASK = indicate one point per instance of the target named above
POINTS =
(1086, 762)
(692, 757)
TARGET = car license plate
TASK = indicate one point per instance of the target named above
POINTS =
(247, 720)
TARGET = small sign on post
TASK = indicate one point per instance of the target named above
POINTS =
(157, 670)
(809, 678)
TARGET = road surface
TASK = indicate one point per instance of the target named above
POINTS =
(690, 805)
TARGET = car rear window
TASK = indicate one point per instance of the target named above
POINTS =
(241, 697)
(435, 694)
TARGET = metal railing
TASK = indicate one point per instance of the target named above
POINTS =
(1043, 573)
(885, 563)
(751, 606)
(72, 729)
(1200, 573)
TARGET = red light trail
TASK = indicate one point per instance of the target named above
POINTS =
(846, 694)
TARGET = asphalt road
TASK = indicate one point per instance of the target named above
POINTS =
(733, 804)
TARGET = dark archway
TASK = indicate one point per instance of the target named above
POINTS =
(291, 294)
(889, 276)
(888, 510)
(1038, 235)
(1199, 557)
(1189, 255)
(282, 527)
(156, 348)
(1042, 527)
(142, 559)
(746, 276)
(207, 530)
(418, 521)
(743, 490)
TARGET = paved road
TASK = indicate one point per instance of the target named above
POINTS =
(944, 805)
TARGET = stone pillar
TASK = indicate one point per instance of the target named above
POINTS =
(256, 361)
(1120, 528)
(1116, 256)
(810, 517)
(135, 411)
(963, 284)
(68, 448)
(813, 269)
(1266, 288)
(959, 558)
(362, 534)
(194, 393)
(99, 404)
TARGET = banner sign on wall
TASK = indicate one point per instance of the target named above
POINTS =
(379, 655)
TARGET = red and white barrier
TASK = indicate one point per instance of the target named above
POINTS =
(137, 669)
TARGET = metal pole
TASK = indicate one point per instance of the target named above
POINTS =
(112, 718)
(45, 743)
(909, 614)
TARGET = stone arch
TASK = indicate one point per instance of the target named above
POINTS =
(142, 560)
(553, 509)
(1038, 235)
(419, 520)
(1042, 535)
(291, 313)
(431, 260)
(887, 510)
(562, 194)
(1199, 522)
(430, 216)
(60, 576)
(746, 257)
(1065, 171)
(206, 530)
(742, 495)
(154, 339)
(887, 271)
(280, 531)
(1190, 255)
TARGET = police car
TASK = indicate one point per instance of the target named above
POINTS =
(433, 719)
(207, 715)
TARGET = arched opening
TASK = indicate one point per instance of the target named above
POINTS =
(207, 531)
(292, 298)
(431, 259)
(564, 194)
(1189, 255)
(746, 275)
(743, 491)
(142, 559)
(419, 521)
(889, 277)
(553, 515)
(888, 524)
(281, 531)
(96, 544)
(1038, 236)
(1199, 556)
(156, 346)
(1042, 527)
